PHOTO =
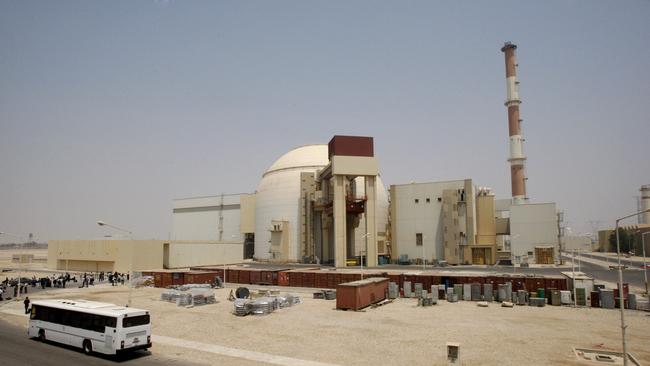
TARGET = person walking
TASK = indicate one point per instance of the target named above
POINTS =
(26, 302)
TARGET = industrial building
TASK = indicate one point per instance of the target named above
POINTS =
(448, 221)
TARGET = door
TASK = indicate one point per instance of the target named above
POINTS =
(478, 256)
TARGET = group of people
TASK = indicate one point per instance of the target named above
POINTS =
(59, 281)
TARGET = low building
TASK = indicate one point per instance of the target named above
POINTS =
(533, 233)
(104, 255)
(438, 221)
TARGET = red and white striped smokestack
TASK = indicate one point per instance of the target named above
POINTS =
(517, 158)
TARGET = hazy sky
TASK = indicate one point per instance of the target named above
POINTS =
(110, 109)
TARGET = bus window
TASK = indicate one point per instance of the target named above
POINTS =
(134, 321)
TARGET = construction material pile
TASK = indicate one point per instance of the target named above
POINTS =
(197, 295)
(144, 281)
(264, 305)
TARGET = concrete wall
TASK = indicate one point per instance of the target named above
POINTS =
(409, 218)
(532, 225)
(247, 213)
(104, 255)
(186, 254)
(582, 243)
(214, 218)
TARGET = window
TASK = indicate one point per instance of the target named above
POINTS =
(428, 200)
(417, 200)
(418, 239)
(134, 321)
(75, 319)
(439, 199)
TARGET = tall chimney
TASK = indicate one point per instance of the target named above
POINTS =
(517, 158)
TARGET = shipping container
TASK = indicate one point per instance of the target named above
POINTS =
(360, 294)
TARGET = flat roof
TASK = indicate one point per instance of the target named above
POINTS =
(93, 307)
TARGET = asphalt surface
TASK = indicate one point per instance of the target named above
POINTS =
(17, 349)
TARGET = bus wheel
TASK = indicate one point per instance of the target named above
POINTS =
(41, 335)
(88, 347)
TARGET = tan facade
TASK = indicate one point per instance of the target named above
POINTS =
(484, 251)
(247, 213)
(115, 255)
(104, 255)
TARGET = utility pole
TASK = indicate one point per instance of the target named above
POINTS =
(559, 235)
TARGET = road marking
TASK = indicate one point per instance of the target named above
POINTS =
(238, 353)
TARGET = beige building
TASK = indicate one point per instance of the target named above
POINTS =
(115, 254)
(436, 221)
(638, 230)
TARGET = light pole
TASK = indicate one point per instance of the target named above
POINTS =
(20, 259)
(102, 223)
(645, 265)
(620, 283)
(573, 273)
(424, 260)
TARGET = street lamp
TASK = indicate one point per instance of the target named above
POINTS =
(102, 223)
(620, 282)
(645, 265)
(20, 259)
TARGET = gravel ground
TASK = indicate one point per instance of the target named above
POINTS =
(397, 333)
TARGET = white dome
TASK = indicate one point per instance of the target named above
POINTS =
(278, 198)
(307, 156)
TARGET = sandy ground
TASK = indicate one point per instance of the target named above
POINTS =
(397, 333)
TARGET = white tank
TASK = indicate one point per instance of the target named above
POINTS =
(278, 197)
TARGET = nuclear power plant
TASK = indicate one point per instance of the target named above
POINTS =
(327, 204)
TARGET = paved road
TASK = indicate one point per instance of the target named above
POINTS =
(614, 261)
(17, 349)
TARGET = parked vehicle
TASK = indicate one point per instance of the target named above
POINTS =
(93, 326)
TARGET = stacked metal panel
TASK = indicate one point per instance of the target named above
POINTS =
(487, 292)
(501, 294)
(458, 290)
(508, 290)
(521, 297)
(556, 298)
(607, 299)
(261, 306)
(631, 301)
(241, 307)
(467, 291)
(407, 289)
(565, 297)
(476, 292)
(434, 292)
(393, 290)
(537, 301)
(418, 290)
(452, 296)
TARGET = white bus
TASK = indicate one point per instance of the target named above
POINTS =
(93, 326)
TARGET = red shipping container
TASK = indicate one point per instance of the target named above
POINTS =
(360, 294)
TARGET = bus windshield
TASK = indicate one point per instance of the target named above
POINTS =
(134, 321)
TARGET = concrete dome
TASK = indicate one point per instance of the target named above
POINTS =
(278, 198)
(307, 157)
